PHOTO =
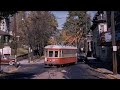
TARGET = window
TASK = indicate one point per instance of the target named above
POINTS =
(50, 53)
(102, 28)
(56, 53)
(103, 51)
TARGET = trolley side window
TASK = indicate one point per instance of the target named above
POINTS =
(56, 53)
(69, 53)
(50, 53)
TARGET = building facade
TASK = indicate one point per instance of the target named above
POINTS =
(117, 32)
(5, 37)
(99, 26)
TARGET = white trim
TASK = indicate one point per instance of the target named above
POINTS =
(60, 47)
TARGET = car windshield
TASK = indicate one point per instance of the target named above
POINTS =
(6, 57)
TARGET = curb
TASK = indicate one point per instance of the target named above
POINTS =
(32, 62)
(104, 72)
(13, 70)
(113, 76)
(108, 75)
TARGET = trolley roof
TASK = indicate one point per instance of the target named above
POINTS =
(60, 47)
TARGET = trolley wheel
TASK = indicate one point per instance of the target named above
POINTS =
(58, 66)
(75, 62)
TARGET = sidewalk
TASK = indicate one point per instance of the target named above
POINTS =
(103, 68)
(10, 69)
(108, 73)
(25, 61)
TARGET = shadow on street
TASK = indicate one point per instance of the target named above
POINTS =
(99, 64)
(29, 71)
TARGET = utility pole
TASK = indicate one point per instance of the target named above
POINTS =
(15, 38)
(86, 34)
(113, 43)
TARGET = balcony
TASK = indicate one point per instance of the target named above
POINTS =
(101, 19)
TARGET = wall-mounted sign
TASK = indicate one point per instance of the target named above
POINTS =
(108, 37)
(105, 38)
(7, 50)
(114, 48)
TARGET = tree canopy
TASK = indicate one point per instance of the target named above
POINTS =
(4, 14)
(75, 28)
(35, 28)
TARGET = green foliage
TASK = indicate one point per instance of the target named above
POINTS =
(21, 51)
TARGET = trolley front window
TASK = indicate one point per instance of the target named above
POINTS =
(50, 53)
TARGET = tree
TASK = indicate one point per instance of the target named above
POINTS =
(75, 27)
(36, 28)
(4, 14)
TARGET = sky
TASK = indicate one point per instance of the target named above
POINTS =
(61, 17)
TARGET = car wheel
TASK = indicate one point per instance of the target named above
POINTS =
(11, 63)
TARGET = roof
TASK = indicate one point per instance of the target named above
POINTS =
(3, 33)
(60, 47)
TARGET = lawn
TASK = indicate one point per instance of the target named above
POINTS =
(21, 51)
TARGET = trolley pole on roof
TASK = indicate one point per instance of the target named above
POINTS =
(113, 43)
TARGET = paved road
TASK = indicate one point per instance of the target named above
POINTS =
(4, 67)
(83, 71)
(39, 71)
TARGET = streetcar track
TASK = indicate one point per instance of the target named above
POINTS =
(52, 72)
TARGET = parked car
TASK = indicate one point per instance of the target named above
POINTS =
(7, 60)
(81, 57)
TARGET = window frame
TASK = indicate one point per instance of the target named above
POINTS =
(49, 53)
(57, 53)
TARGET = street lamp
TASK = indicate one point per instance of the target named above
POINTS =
(89, 37)
(89, 43)
(18, 38)
(15, 38)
